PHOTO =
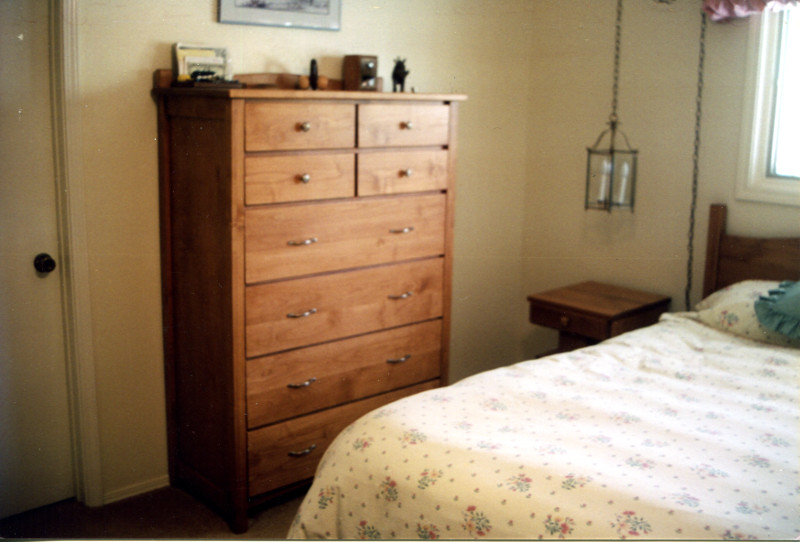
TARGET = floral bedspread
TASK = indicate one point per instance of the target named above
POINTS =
(672, 431)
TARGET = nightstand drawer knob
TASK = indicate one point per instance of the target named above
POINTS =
(564, 321)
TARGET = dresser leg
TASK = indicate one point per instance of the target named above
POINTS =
(239, 521)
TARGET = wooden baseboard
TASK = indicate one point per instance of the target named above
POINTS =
(136, 489)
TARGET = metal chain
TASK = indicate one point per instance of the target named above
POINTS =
(617, 40)
(695, 161)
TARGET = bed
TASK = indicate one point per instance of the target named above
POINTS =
(684, 429)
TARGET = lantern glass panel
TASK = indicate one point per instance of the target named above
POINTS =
(610, 179)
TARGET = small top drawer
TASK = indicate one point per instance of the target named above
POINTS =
(276, 178)
(399, 172)
(298, 126)
(386, 125)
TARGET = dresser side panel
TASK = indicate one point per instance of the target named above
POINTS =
(202, 298)
(449, 228)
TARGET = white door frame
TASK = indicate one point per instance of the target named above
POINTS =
(72, 232)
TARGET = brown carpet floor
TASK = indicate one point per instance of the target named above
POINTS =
(160, 514)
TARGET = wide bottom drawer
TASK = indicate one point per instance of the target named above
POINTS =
(288, 452)
(297, 382)
(294, 313)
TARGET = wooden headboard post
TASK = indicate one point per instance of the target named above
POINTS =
(716, 228)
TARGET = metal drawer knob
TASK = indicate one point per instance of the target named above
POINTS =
(305, 314)
(399, 360)
(408, 172)
(305, 178)
(304, 242)
(305, 384)
(407, 229)
(301, 453)
(305, 126)
(405, 295)
(407, 125)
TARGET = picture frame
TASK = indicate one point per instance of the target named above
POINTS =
(313, 14)
(190, 61)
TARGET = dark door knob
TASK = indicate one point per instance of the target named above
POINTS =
(44, 263)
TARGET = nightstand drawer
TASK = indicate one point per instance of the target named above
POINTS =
(389, 125)
(401, 172)
(569, 321)
(298, 177)
(288, 452)
(300, 381)
(298, 126)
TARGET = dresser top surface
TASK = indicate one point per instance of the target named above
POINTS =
(334, 95)
(162, 84)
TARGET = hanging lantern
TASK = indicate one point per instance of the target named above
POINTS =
(611, 170)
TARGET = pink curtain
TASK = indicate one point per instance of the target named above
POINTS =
(720, 10)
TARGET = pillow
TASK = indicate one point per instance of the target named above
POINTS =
(780, 310)
(732, 309)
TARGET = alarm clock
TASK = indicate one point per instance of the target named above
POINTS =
(360, 72)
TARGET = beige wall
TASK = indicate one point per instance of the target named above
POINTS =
(538, 76)
(571, 69)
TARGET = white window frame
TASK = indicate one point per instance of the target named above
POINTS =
(753, 183)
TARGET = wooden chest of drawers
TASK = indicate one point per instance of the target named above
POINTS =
(306, 263)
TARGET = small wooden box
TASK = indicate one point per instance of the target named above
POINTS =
(360, 72)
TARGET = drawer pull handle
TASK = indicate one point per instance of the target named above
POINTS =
(304, 242)
(305, 178)
(408, 229)
(399, 360)
(407, 125)
(564, 320)
(408, 172)
(301, 453)
(306, 314)
(305, 384)
(402, 296)
(305, 126)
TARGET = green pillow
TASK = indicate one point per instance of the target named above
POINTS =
(780, 310)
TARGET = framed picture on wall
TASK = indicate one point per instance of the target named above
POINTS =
(316, 14)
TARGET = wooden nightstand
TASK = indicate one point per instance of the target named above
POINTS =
(589, 312)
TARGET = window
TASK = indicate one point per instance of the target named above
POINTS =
(769, 170)
(784, 159)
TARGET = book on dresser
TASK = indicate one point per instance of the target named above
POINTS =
(306, 241)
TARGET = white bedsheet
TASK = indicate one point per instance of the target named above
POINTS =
(673, 431)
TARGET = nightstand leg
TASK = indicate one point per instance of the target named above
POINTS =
(570, 341)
